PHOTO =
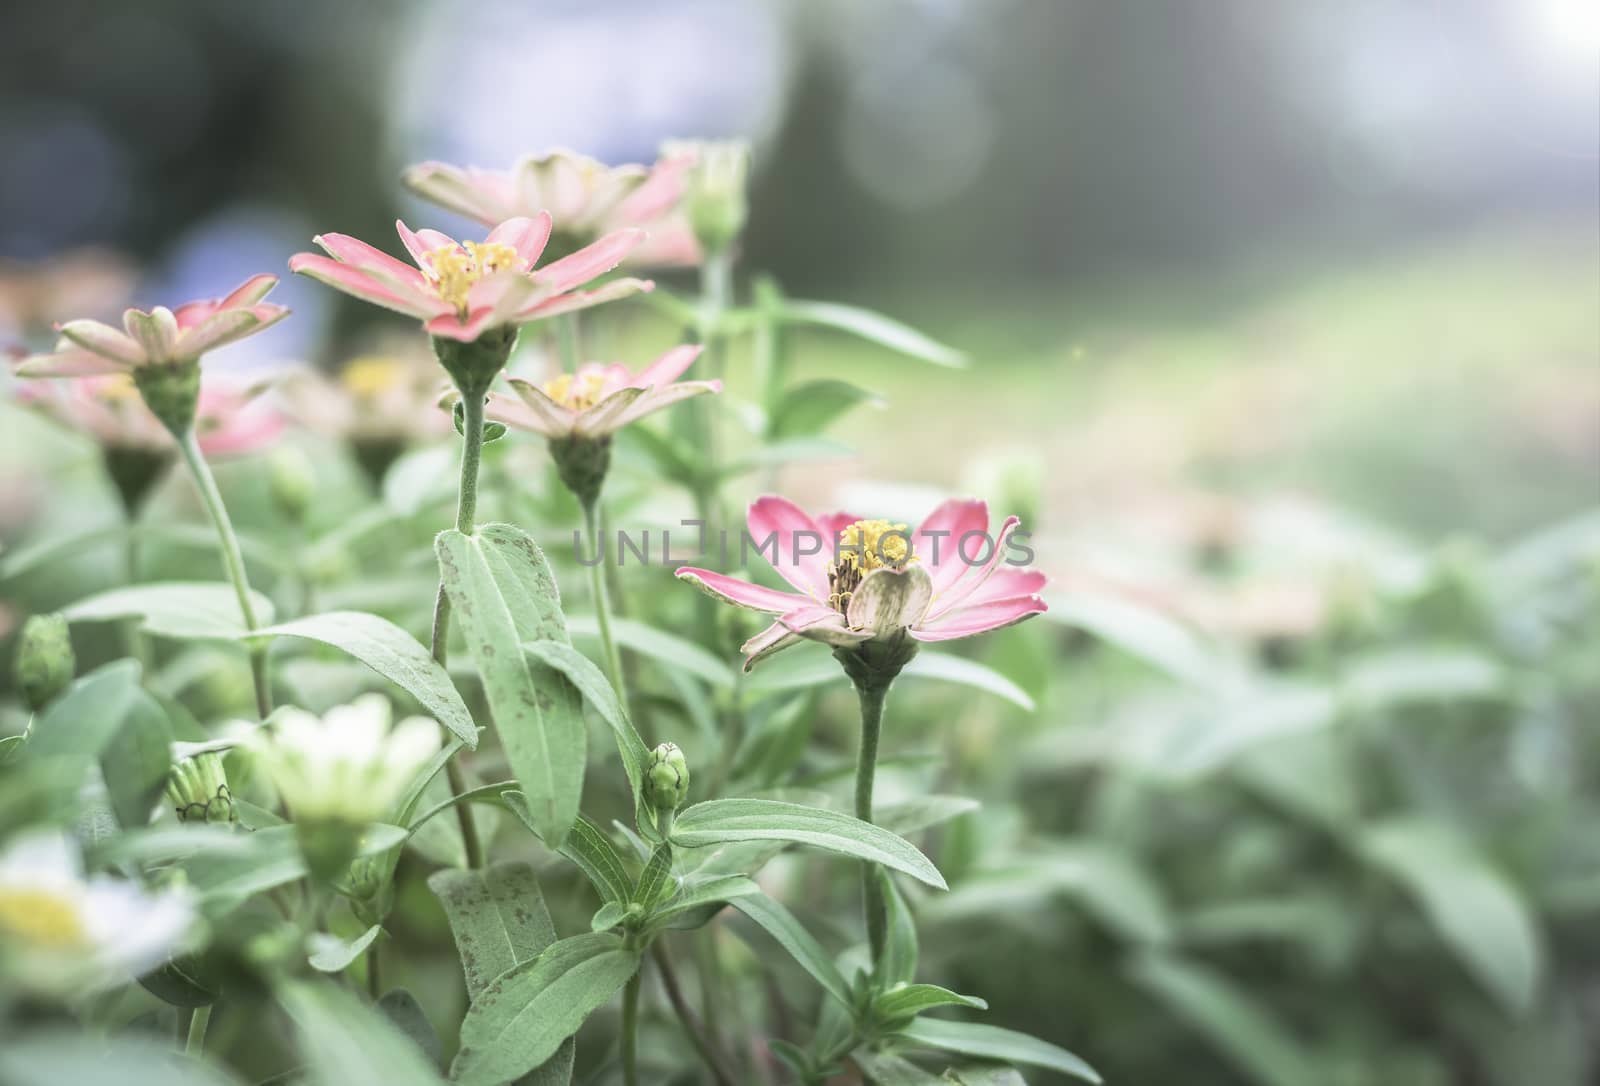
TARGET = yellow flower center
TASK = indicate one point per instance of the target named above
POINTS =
(117, 388)
(456, 269)
(371, 376)
(40, 917)
(577, 392)
(864, 546)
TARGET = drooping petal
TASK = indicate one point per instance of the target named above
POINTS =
(773, 639)
(527, 236)
(976, 576)
(582, 299)
(939, 535)
(967, 621)
(1004, 582)
(557, 419)
(70, 362)
(669, 367)
(824, 624)
(890, 599)
(742, 593)
(102, 339)
(465, 329)
(658, 398)
(520, 416)
(359, 284)
(786, 536)
(606, 416)
(589, 262)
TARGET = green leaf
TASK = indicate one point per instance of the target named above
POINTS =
(73, 732)
(653, 880)
(520, 1020)
(664, 648)
(1240, 1028)
(887, 1069)
(696, 904)
(1477, 911)
(392, 653)
(403, 1011)
(958, 669)
(345, 1041)
(331, 954)
(909, 1000)
(994, 1043)
(798, 670)
(874, 327)
(922, 812)
(596, 689)
(719, 820)
(137, 760)
(1140, 631)
(498, 917)
(589, 848)
(610, 915)
(780, 923)
(502, 594)
(179, 609)
(225, 875)
(898, 962)
(1400, 677)
(52, 1056)
(809, 407)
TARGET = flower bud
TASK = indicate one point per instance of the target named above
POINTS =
(715, 199)
(666, 778)
(45, 663)
(293, 479)
(197, 788)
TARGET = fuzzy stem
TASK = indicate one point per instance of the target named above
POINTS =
(872, 697)
(466, 511)
(232, 559)
(714, 1061)
(630, 1030)
(602, 606)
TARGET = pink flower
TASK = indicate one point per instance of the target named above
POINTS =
(586, 197)
(388, 397)
(861, 580)
(160, 336)
(232, 418)
(459, 290)
(599, 399)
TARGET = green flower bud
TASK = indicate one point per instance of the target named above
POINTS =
(716, 201)
(45, 663)
(293, 479)
(371, 888)
(666, 778)
(197, 788)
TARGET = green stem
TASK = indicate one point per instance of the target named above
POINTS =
(872, 697)
(466, 512)
(195, 1045)
(714, 1062)
(630, 1030)
(232, 559)
(567, 337)
(374, 973)
(602, 607)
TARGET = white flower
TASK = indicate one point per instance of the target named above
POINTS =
(349, 766)
(62, 933)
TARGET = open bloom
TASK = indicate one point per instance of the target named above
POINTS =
(374, 398)
(158, 337)
(863, 580)
(349, 766)
(62, 933)
(231, 419)
(461, 289)
(587, 198)
(599, 399)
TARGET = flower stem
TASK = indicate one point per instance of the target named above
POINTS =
(602, 605)
(466, 512)
(691, 1025)
(630, 1030)
(567, 336)
(195, 1044)
(232, 559)
(872, 696)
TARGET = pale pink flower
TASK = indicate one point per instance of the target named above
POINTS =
(158, 337)
(459, 290)
(232, 419)
(388, 397)
(586, 197)
(599, 399)
(862, 580)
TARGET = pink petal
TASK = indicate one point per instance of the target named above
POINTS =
(606, 416)
(891, 599)
(802, 554)
(834, 523)
(190, 314)
(503, 293)
(558, 419)
(522, 416)
(975, 578)
(582, 299)
(248, 293)
(967, 621)
(228, 325)
(527, 236)
(452, 326)
(1007, 581)
(420, 243)
(743, 593)
(589, 262)
(954, 518)
(450, 187)
(658, 398)
(669, 367)
(71, 362)
(102, 339)
(400, 278)
(774, 638)
(355, 282)
(661, 191)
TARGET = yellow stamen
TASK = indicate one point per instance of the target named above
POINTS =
(864, 546)
(371, 375)
(577, 392)
(40, 917)
(456, 269)
(118, 387)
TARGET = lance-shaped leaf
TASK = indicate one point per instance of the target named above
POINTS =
(720, 820)
(392, 653)
(521, 1019)
(343, 1040)
(994, 1043)
(696, 905)
(873, 327)
(897, 964)
(591, 682)
(655, 877)
(910, 1000)
(501, 591)
(178, 609)
(331, 954)
(780, 923)
(136, 761)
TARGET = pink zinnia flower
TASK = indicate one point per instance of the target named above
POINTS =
(863, 580)
(158, 337)
(599, 399)
(586, 197)
(459, 290)
(231, 419)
